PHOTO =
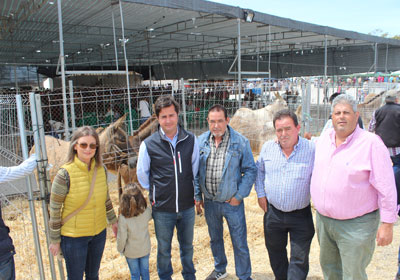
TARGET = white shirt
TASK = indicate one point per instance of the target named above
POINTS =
(144, 109)
(16, 172)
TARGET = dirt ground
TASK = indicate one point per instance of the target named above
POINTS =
(382, 267)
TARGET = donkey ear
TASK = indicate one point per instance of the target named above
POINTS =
(277, 95)
(120, 121)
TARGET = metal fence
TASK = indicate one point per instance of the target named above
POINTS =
(24, 211)
(20, 199)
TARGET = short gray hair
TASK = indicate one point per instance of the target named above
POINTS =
(345, 98)
(391, 96)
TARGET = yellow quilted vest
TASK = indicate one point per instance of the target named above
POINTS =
(91, 220)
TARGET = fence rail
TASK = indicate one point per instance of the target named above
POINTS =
(101, 107)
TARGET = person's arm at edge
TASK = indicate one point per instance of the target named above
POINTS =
(195, 167)
(249, 170)
(382, 178)
(16, 172)
(111, 217)
(59, 190)
(195, 158)
(259, 184)
(143, 166)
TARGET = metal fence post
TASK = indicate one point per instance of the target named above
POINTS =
(308, 102)
(43, 174)
(318, 111)
(71, 100)
(126, 69)
(24, 145)
(305, 100)
(183, 104)
(62, 62)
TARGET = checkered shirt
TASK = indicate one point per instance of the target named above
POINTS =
(215, 163)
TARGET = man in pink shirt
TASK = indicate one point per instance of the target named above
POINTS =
(352, 179)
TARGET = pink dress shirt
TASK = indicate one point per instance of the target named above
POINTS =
(353, 179)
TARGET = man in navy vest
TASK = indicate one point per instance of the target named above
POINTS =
(167, 164)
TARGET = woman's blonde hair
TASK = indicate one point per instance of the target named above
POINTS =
(81, 132)
(132, 202)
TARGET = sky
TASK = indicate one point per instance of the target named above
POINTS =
(364, 16)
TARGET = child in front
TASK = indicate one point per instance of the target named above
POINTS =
(133, 239)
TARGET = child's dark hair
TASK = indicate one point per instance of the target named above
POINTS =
(132, 202)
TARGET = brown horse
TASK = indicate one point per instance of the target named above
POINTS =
(127, 172)
(118, 153)
(144, 131)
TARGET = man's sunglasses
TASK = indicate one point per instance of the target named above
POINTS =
(85, 145)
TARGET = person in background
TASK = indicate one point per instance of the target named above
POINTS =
(283, 191)
(80, 207)
(7, 250)
(328, 123)
(167, 163)
(385, 122)
(133, 239)
(190, 106)
(226, 175)
(144, 110)
(352, 179)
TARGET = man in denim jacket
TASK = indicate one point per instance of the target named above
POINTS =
(226, 174)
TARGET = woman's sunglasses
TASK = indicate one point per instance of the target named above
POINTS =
(85, 145)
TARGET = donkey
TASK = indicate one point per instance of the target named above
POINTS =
(118, 153)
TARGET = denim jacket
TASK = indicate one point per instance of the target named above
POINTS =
(239, 171)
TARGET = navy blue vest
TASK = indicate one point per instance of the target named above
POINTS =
(171, 176)
(6, 244)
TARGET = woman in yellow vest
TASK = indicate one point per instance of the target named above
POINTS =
(80, 207)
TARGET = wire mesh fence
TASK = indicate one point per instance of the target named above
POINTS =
(14, 195)
(102, 107)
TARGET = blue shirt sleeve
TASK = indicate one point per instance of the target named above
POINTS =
(259, 184)
(143, 166)
(195, 158)
(248, 170)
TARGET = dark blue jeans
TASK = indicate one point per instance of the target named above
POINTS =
(396, 171)
(83, 255)
(139, 267)
(164, 224)
(7, 269)
(235, 217)
(277, 225)
(396, 162)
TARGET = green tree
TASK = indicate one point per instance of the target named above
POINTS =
(380, 33)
